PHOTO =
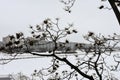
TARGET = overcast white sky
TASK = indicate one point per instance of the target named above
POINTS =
(17, 15)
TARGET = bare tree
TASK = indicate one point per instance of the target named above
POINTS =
(114, 4)
(93, 64)
(90, 62)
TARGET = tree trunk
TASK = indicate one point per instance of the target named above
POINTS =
(115, 9)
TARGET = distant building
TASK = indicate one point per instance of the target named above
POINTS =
(6, 39)
(44, 46)
(31, 44)
(1, 44)
(5, 77)
(18, 76)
